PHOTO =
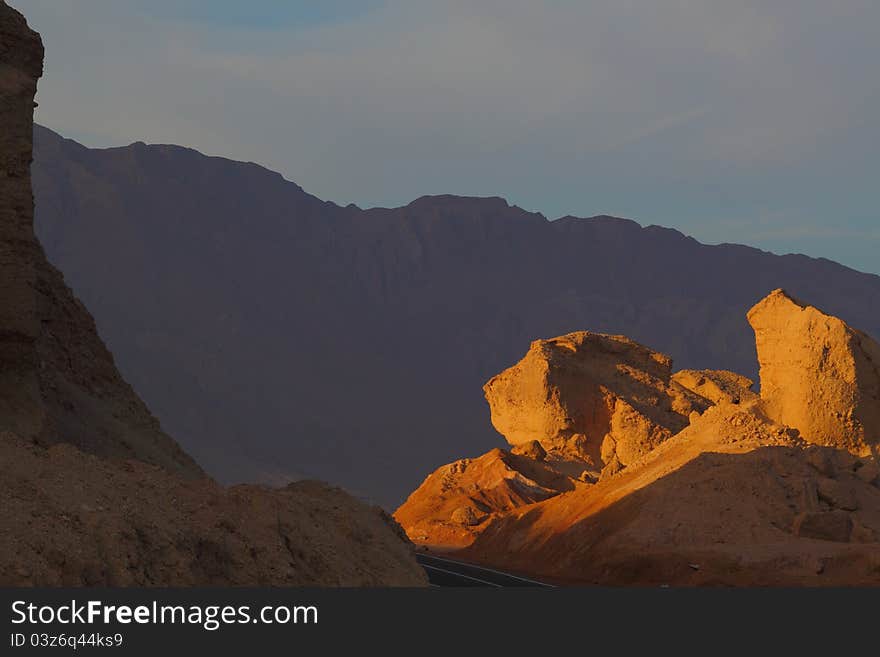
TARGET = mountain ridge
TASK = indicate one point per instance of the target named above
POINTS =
(567, 218)
(369, 333)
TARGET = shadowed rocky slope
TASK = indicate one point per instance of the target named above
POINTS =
(93, 491)
(72, 519)
(274, 331)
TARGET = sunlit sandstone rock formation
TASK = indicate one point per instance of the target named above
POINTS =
(742, 494)
(576, 409)
(601, 398)
(818, 374)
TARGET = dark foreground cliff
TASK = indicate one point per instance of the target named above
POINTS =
(93, 491)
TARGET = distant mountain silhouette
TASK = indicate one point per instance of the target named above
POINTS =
(278, 335)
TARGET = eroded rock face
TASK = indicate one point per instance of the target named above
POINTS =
(58, 381)
(605, 398)
(21, 64)
(818, 374)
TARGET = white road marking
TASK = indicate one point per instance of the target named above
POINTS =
(488, 570)
(450, 572)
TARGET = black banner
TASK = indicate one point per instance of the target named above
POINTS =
(264, 621)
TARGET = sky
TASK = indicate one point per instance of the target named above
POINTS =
(755, 122)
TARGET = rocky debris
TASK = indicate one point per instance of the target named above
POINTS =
(93, 491)
(603, 398)
(74, 519)
(717, 385)
(818, 374)
(833, 525)
(455, 502)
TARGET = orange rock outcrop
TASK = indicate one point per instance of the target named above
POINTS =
(818, 374)
(602, 398)
(733, 488)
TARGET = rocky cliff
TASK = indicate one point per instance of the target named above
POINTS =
(93, 491)
(58, 381)
(21, 63)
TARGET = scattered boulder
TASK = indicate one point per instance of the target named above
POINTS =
(836, 525)
(818, 374)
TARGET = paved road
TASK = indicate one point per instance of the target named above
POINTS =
(448, 572)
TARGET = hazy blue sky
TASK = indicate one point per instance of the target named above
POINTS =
(731, 120)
